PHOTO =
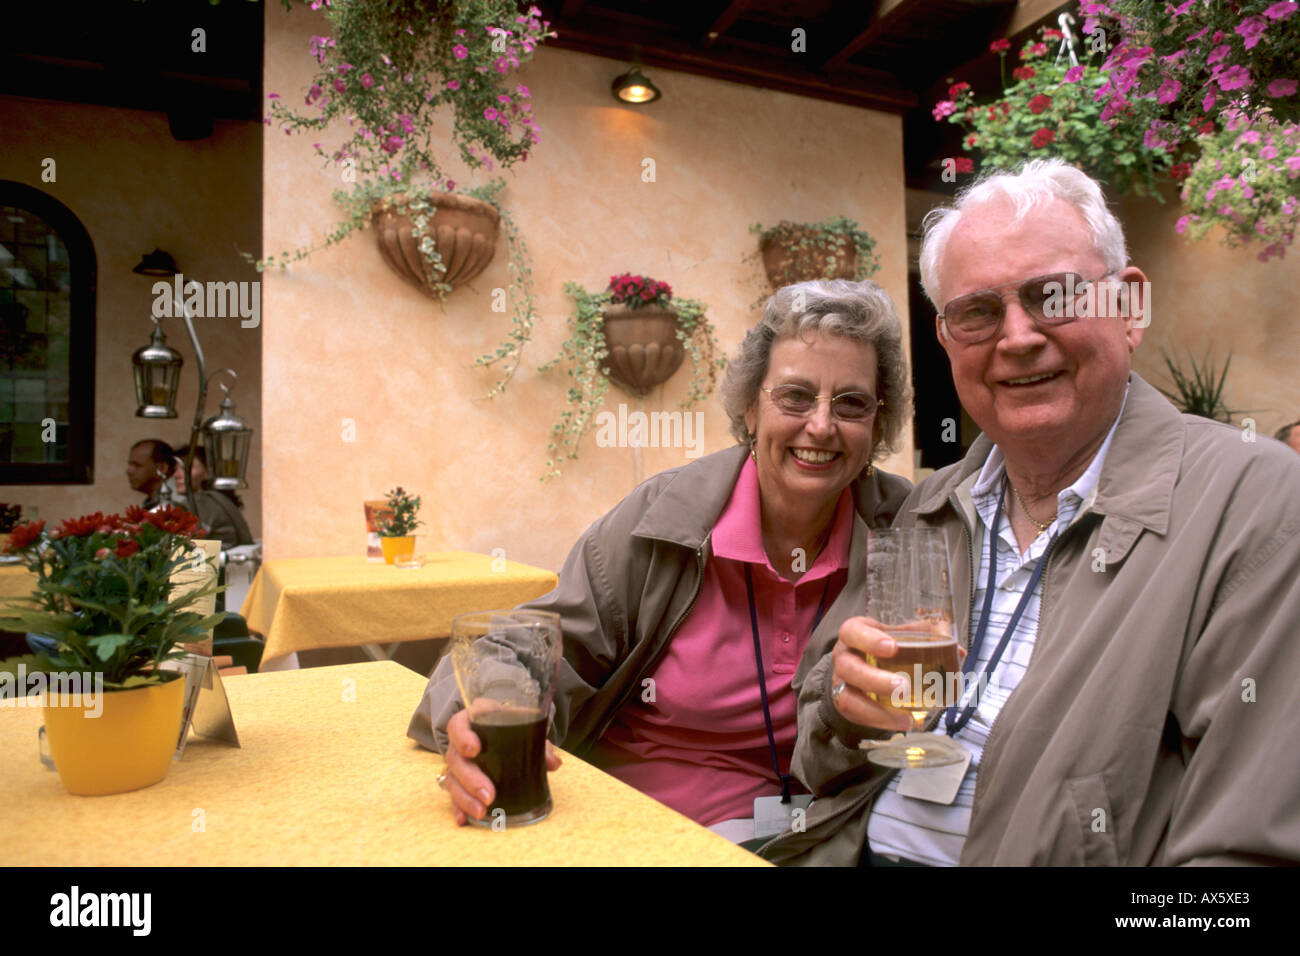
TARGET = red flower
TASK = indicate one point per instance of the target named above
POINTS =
(127, 547)
(957, 89)
(24, 536)
(1051, 34)
(1039, 103)
(1042, 137)
(1024, 73)
(1034, 49)
(963, 164)
(82, 527)
(1000, 46)
(174, 521)
(971, 140)
(135, 514)
(1180, 171)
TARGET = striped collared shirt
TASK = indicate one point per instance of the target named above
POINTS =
(934, 833)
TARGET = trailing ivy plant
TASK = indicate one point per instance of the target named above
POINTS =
(584, 352)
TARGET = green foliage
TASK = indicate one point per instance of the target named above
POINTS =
(1199, 392)
(401, 519)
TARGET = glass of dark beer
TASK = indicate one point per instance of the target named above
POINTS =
(506, 663)
(909, 595)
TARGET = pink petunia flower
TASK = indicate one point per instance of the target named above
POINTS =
(367, 80)
(1280, 11)
(1074, 74)
(1251, 29)
(453, 84)
(1168, 91)
(1282, 88)
(1218, 53)
(459, 51)
(1234, 78)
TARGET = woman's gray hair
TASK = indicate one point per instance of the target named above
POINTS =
(860, 311)
(1037, 181)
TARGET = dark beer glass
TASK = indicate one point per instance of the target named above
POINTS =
(506, 663)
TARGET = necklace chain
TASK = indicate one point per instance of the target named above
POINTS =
(1042, 528)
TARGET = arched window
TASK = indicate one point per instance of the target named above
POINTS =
(47, 341)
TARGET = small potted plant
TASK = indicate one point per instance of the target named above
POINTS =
(104, 597)
(836, 248)
(635, 334)
(397, 527)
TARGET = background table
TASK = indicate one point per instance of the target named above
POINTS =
(302, 604)
(16, 581)
(324, 780)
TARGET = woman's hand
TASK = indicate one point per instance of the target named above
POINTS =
(469, 787)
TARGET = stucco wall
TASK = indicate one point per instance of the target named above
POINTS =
(1209, 299)
(135, 188)
(347, 341)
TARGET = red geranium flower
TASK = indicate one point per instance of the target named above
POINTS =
(24, 536)
(127, 547)
(1180, 170)
(1024, 73)
(1051, 34)
(1042, 137)
(957, 89)
(963, 164)
(1039, 103)
(1000, 46)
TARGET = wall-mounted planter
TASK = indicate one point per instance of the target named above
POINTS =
(803, 254)
(644, 350)
(463, 229)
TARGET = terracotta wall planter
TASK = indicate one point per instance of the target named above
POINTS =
(464, 230)
(643, 347)
(786, 264)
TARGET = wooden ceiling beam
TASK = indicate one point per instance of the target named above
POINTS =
(722, 23)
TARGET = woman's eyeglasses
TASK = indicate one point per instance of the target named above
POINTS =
(1050, 300)
(847, 406)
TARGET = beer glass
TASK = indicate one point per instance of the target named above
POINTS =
(506, 664)
(909, 594)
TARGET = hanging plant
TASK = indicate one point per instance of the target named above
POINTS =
(388, 69)
(836, 248)
(1199, 59)
(1051, 109)
(587, 352)
(1247, 180)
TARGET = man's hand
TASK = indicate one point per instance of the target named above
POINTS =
(861, 636)
(469, 787)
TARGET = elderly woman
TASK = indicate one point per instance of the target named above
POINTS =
(694, 608)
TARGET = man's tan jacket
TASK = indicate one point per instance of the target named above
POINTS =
(1157, 721)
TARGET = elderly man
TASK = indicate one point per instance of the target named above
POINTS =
(1137, 709)
(148, 466)
(1289, 435)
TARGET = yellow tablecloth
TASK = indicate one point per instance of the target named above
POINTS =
(324, 780)
(301, 604)
(15, 581)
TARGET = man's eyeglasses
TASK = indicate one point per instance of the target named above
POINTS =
(1050, 300)
(847, 406)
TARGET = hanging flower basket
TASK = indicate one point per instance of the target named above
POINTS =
(803, 251)
(644, 350)
(447, 248)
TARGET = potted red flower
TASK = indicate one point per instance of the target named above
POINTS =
(104, 598)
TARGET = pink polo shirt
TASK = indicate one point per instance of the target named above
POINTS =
(701, 745)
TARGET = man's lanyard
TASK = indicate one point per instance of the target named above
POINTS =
(952, 722)
(785, 778)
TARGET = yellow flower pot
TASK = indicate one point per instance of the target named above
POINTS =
(128, 746)
(396, 547)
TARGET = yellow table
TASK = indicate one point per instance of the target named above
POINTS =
(326, 776)
(301, 604)
(16, 581)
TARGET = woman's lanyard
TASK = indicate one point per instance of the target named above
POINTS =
(785, 778)
(952, 723)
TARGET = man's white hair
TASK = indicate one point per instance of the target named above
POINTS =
(1038, 181)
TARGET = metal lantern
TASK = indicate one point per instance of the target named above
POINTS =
(226, 440)
(157, 375)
